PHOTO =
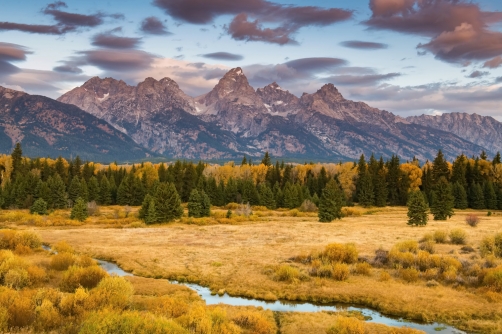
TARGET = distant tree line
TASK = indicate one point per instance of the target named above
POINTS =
(474, 182)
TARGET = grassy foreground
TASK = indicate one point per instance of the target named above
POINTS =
(244, 256)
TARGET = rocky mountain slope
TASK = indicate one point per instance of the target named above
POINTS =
(481, 130)
(235, 119)
(46, 127)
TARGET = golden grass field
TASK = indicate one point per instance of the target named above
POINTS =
(237, 255)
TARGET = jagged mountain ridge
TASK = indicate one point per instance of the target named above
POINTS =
(234, 119)
(46, 127)
(484, 131)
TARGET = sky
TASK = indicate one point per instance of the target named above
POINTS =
(409, 57)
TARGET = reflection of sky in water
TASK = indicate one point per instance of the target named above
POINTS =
(288, 306)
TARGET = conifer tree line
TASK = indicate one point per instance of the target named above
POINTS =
(474, 182)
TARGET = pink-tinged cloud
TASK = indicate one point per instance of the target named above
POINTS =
(110, 40)
(251, 16)
(493, 63)
(11, 53)
(153, 26)
(459, 30)
(35, 28)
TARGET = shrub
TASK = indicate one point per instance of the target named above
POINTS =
(287, 273)
(10, 261)
(409, 274)
(493, 279)
(497, 242)
(340, 271)
(22, 250)
(341, 253)
(487, 246)
(16, 278)
(407, 246)
(458, 236)
(427, 246)
(346, 325)
(109, 322)
(113, 292)
(254, 322)
(472, 220)
(63, 247)
(85, 261)
(401, 259)
(4, 320)
(62, 261)
(440, 236)
(428, 237)
(450, 274)
(308, 206)
(431, 274)
(36, 275)
(47, 317)
(21, 312)
(88, 277)
(351, 212)
(362, 268)
(381, 257)
(384, 276)
(27, 238)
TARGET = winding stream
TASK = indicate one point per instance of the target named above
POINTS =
(292, 306)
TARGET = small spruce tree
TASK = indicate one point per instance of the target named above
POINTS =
(167, 203)
(330, 204)
(417, 209)
(460, 196)
(194, 204)
(144, 206)
(39, 207)
(151, 214)
(79, 211)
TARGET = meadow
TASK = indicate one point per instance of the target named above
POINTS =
(374, 259)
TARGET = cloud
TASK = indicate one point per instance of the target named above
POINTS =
(364, 45)
(250, 17)
(315, 64)
(477, 74)
(458, 30)
(11, 53)
(153, 26)
(369, 79)
(110, 40)
(68, 69)
(493, 63)
(65, 21)
(117, 60)
(223, 56)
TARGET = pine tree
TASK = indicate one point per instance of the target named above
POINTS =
(144, 206)
(459, 171)
(84, 193)
(289, 200)
(381, 192)
(17, 160)
(58, 192)
(330, 204)
(205, 204)
(443, 200)
(138, 191)
(231, 191)
(490, 196)
(125, 191)
(39, 207)
(75, 189)
(151, 216)
(496, 160)
(477, 197)
(79, 211)
(266, 159)
(417, 209)
(105, 195)
(93, 188)
(194, 204)
(267, 197)
(189, 182)
(366, 195)
(460, 196)
(244, 161)
(440, 168)
(483, 155)
(167, 203)
(362, 169)
(393, 180)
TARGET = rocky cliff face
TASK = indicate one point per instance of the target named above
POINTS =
(234, 119)
(481, 130)
(46, 127)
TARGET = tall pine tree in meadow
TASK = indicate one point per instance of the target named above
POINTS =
(17, 161)
(93, 189)
(366, 194)
(151, 216)
(74, 189)
(440, 168)
(393, 174)
(144, 206)
(443, 200)
(490, 196)
(267, 197)
(79, 211)
(380, 186)
(194, 204)
(125, 190)
(105, 194)
(477, 197)
(417, 209)
(167, 203)
(84, 192)
(58, 192)
(330, 204)
(460, 196)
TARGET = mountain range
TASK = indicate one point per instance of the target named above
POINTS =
(157, 118)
